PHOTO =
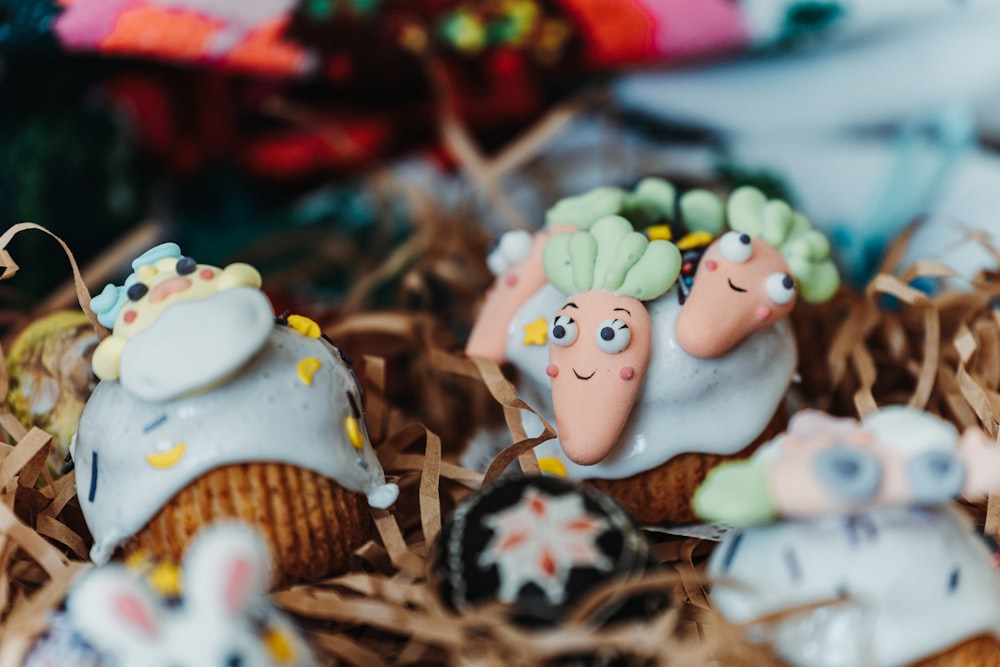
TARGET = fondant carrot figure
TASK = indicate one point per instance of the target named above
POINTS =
(751, 277)
(516, 259)
(600, 340)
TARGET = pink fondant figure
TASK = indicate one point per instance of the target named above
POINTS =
(517, 263)
(601, 339)
(749, 278)
(897, 456)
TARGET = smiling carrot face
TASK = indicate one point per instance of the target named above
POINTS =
(600, 347)
(601, 339)
(742, 285)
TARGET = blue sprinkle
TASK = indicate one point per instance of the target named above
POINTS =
(364, 464)
(93, 477)
(953, 580)
(154, 424)
(794, 569)
(734, 544)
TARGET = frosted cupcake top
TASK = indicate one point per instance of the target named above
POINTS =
(856, 515)
(206, 376)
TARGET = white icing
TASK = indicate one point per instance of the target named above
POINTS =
(918, 581)
(264, 413)
(197, 343)
(685, 405)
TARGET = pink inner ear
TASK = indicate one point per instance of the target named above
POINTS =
(133, 610)
(237, 584)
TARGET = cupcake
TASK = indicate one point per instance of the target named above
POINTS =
(115, 617)
(50, 378)
(636, 347)
(848, 550)
(209, 408)
(538, 546)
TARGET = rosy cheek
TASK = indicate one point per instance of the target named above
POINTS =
(627, 373)
(510, 279)
(710, 265)
(206, 274)
(763, 313)
(129, 316)
(552, 370)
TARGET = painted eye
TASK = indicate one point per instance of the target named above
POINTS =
(849, 473)
(736, 247)
(780, 288)
(186, 265)
(935, 477)
(509, 249)
(137, 291)
(613, 336)
(564, 331)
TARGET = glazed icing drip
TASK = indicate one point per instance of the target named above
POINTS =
(679, 406)
(917, 581)
(264, 413)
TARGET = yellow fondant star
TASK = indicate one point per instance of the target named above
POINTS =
(537, 332)
(552, 466)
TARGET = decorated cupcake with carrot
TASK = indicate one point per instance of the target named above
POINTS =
(660, 354)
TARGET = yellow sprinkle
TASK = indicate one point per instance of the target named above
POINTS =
(168, 458)
(138, 560)
(694, 239)
(166, 579)
(278, 646)
(304, 326)
(307, 369)
(537, 332)
(354, 432)
(659, 233)
(552, 466)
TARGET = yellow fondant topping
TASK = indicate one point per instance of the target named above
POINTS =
(278, 646)
(694, 239)
(165, 579)
(353, 432)
(659, 232)
(537, 332)
(304, 326)
(168, 458)
(552, 466)
(307, 369)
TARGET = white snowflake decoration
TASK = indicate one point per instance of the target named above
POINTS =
(539, 540)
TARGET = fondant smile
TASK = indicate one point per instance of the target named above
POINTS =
(734, 287)
(583, 377)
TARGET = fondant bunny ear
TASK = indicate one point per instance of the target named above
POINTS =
(226, 570)
(115, 612)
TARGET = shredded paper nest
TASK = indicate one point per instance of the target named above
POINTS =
(936, 349)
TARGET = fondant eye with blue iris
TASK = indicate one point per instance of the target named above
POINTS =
(736, 247)
(613, 336)
(563, 331)
(936, 477)
(780, 288)
(849, 473)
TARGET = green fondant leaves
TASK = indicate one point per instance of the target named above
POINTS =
(582, 211)
(736, 493)
(806, 250)
(611, 256)
(654, 273)
(703, 211)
